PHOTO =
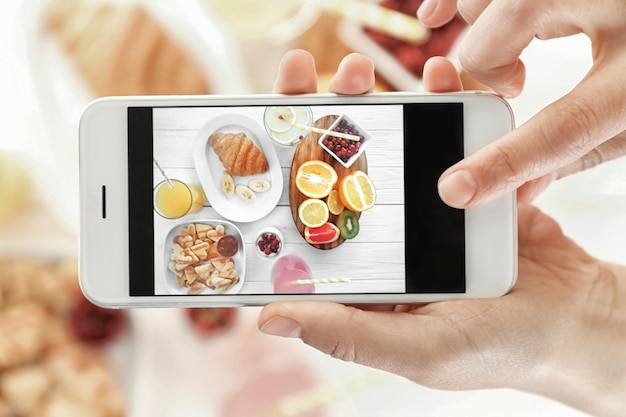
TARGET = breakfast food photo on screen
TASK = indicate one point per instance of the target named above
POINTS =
(293, 187)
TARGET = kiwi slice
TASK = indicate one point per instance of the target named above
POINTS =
(348, 224)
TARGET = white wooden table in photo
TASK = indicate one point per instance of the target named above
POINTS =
(373, 261)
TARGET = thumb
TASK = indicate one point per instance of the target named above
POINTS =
(366, 337)
(557, 136)
(431, 347)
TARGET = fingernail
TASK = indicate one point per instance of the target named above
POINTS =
(458, 188)
(283, 327)
(513, 88)
(508, 92)
(426, 9)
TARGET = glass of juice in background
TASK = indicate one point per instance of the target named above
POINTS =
(261, 31)
(281, 123)
(177, 201)
(286, 270)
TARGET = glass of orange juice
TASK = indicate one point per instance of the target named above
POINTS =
(178, 199)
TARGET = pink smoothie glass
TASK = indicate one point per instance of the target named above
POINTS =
(286, 270)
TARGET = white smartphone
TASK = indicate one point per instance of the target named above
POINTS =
(245, 200)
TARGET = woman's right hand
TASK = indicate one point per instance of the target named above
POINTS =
(580, 130)
(558, 333)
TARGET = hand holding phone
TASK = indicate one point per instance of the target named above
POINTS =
(485, 343)
(208, 185)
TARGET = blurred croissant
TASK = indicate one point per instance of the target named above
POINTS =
(238, 153)
(119, 48)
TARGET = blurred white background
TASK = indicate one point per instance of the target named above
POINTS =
(18, 105)
(590, 206)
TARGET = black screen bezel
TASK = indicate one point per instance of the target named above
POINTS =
(434, 232)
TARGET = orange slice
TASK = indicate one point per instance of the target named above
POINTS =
(313, 212)
(335, 206)
(315, 178)
(357, 191)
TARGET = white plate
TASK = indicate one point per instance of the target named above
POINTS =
(239, 258)
(210, 169)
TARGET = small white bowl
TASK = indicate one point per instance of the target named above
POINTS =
(364, 142)
(274, 231)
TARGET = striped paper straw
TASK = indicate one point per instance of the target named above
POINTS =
(319, 281)
(383, 19)
(169, 182)
(330, 133)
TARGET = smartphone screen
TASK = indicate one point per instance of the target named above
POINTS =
(327, 199)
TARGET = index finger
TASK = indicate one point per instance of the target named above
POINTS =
(491, 49)
(436, 13)
(555, 137)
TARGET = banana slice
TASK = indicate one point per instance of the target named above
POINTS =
(245, 193)
(258, 185)
(228, 184)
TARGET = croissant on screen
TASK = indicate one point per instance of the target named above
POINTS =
(238, 153)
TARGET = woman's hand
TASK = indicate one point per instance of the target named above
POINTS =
(578, 131)
(355, 75)
(559, 333)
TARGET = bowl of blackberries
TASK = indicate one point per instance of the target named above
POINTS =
(345, 151)
(269, 242)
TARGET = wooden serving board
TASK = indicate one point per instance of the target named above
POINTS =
(310, 149)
